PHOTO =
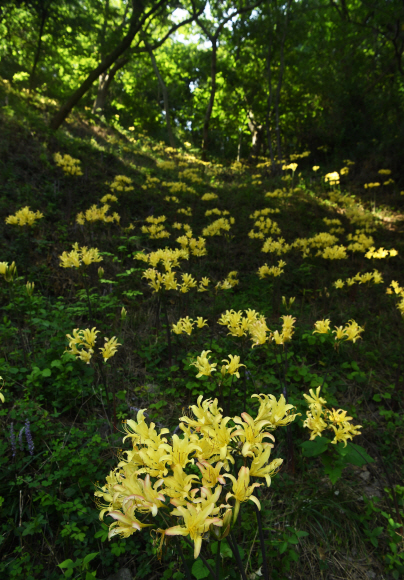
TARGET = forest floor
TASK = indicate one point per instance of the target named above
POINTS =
(332, 512)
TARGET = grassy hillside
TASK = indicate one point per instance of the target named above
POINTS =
(335, 508)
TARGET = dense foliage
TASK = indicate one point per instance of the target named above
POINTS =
(217, 218)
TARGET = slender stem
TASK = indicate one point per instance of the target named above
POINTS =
(204, 560)
(234, 548)
(229, 395)
(187, 572)
(218, 559)
(170, 355)
(90, 312)
(265, 575)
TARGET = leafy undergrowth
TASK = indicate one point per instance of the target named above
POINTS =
(331, 511)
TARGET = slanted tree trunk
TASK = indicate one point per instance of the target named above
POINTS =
(165, 96)
(136, 22)
(44, 14)
(104, 83)
(208, 114)
(134, 27)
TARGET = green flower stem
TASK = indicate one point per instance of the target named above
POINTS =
(265, 575)
(187, 571)
(218, 558)
(170, 355)
(234, 548)
(204, 560)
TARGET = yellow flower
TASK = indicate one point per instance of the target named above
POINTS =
(196, 524)
(332, 178)
(316, 167)
(322, 326)
(344, 431)
(78, 255)
(110, 347)
(260, 467)
(339, 284)
(314, 399)
(178, 453)
(352, 331)
(200, 322)
(24, 217)
(241, 490)
(251, 433)
(127, 523)
(315, 422)
(233, 365)
(276, 412)
(203, 365)
(211, 475)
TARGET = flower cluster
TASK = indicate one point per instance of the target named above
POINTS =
(97, 214)
(216, 211)
(121, 183)
(69, 165)
(156, 229)
(350, 332)
(291, 166)
(274, 271)
(395, 288)
(158, 476)
(263, 212)
(333, 253)
(279, 193)
(24, 217)
(108, 197)
(219, 226)
(209, 196)
(8, 271)
(82, 345)
(196, 247)
(264, 226)
(185, 325)
(359, 278)
(360, 242)
(380, 253)
(336, 225)
(151, 182)
(332, 178)
(229, 282)
(79, 256)
(319, 419)
(278, 247)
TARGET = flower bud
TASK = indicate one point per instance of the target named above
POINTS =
(124, 312)
(11, 272)
(30, 288)
(101, 272)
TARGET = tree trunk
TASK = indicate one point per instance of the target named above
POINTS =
(134, 27)
(135, 24)
(104, 83)
(38, 49)
(165, 96)
(256, 135)
(211, 99)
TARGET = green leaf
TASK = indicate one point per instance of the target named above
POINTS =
(199, 569)
(315, 447)
(46, 373)
(357, 455)
(89, 557)
(69, 564)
